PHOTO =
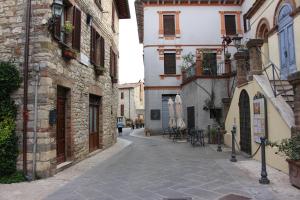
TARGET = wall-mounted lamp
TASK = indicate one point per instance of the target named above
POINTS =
(89, 19)
(57, 8)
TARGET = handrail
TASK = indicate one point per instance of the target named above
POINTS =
(275, 76)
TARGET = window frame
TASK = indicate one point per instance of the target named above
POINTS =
(235, 25)
(173, 34)
(174, 70)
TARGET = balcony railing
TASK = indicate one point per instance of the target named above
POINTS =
(222, 69)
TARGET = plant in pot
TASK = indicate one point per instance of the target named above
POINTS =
(291, 149)
(68, 27)
(188, 60)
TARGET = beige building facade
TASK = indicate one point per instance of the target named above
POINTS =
(72, 71)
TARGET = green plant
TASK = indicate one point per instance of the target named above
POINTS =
(7, 109)
(13, 178)
(9, 79)
(188, 60)
(7, 127)
(289, 147)
(68, 27)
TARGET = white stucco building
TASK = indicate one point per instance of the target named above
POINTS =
(170, 30)
(131, 101)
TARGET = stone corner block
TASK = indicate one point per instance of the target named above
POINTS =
(255, 43)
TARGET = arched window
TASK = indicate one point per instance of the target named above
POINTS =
(262, 32)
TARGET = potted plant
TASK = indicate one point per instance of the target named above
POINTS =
(291, 149)
(68, 27)
(69, 53)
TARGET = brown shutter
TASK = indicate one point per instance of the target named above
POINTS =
(102, 52)
(230, 24)
(57, 28)
(111, 63)
(170, 63)
(93, 41)
(77, 29)
(169, 25)
(115, 66)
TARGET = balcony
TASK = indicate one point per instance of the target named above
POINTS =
(221, 70)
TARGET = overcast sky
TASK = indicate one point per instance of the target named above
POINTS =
(131, 52)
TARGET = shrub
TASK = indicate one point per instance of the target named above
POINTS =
(8, 155)
(9, 78)
(289, 147)
(7, 109)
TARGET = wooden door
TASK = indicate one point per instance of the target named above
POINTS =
(94, 123)
(286, 41)
(61, 126)
(191, 117)
(245, 123)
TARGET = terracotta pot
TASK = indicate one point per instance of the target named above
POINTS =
(68, 54)
(294, 172)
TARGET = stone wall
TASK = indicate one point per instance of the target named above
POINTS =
(77, 76)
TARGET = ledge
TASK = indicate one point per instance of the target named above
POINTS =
(163, 76)
(193, 78)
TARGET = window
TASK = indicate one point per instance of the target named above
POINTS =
(209, 63)
(113, 17)
(113, 65)
(169, 25)
(170, 63)
(97, 54)
(60, 21)
(246, 23)
(230, 24)
(122, 110)
(76, 37)
(122, 95)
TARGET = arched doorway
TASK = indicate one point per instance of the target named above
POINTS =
(245, 122)
(262, 32)
(286, 41)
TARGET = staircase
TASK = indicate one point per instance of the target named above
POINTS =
(284, 89)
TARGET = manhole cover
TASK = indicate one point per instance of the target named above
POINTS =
(234, 197)
(182, 198)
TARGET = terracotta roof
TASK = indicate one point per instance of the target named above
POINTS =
(123, 9)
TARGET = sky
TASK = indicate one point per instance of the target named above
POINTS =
(131, 52)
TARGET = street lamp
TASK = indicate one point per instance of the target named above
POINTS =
(57, 8)
(237, 41)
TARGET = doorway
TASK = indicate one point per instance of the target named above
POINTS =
(286, 41)
(61, 125)
(191, 117)
(245, 122)
(94, 121)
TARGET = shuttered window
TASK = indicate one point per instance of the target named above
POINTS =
(122, 110)
(57, 28)
(113, 17)
(230, 24)
(113, 65)
(77, 29)
(170, 63)
(169, 25)
(102, 51)
(97, 53)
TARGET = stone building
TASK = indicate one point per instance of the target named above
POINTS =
(131, 101)
(71, 55)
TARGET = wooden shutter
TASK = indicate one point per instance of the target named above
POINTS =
(115, 65)
(102, 52)
(169, 25)
(230, 24)
(93, 48)
(122, 110)
(77, 29)
(57, 28)
(111, 63)
(170, 63)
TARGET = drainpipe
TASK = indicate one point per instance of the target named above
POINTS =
(35, 123)
(25, 72)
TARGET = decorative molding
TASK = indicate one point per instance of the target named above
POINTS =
(238, 21)
(161, 51)
(161, 24)
(163, 76)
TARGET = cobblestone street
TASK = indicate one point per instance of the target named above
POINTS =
(155, 168)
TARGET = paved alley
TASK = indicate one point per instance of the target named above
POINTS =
(155, 168)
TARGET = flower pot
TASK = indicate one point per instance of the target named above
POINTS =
(68, 54)
(294, 172)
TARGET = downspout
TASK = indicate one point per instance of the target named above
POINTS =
(25, 73)
(35, 123)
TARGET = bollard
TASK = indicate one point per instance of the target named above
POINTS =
(219, 140)
(233, 154)
(264, 175)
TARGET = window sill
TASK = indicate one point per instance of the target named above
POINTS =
(169, 37)
(163, 76)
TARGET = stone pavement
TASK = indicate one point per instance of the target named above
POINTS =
(155, 168)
